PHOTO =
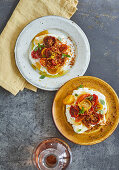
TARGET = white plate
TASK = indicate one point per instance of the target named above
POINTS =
(53, 24)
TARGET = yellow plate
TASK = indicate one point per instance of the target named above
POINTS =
(97, 134)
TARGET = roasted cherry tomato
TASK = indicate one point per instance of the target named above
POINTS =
(99, 106)
(49, 63)
(86, 104)
(43, 51)
(79, 118)
(82, 97)
(95, 99)
(54, 62)
(101, 116)
(35, 54)
(63, 48)
(49, 41)
(91, 109)
(69, 99)
(60, 61)
(43, 62)
(74, 111)
(48, 52)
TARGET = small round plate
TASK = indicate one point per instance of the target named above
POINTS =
(93, 136)
(53, 24)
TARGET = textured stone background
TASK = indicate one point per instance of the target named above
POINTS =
(26, 118)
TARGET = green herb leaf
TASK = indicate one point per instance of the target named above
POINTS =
(76, 94)
(81, 111)
(42, 77)
(68, 56)
(36, 49)
(81, 86)
(39, 46)
(65, 55)
(42, 46)
(102, 102)
(59, 38)
(44, 55)
(89, 98)
(79, 130)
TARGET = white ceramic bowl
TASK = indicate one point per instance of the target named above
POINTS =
(53, 24)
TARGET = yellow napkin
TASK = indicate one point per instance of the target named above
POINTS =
(25, 12)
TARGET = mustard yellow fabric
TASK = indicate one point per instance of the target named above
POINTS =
(25, 12)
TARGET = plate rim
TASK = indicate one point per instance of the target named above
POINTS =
(65, 19)
(111, 131)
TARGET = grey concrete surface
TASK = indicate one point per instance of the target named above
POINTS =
(26, 118)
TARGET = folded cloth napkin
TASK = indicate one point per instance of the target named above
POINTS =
(25, 12)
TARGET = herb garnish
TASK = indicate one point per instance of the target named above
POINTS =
(65, 55)
(36, 49)
(81, 86)
(89, 98)
(79, 130)
(44, 55)
(42, 77)
(42, 46)
(81, 111)
(76, 94)
(39, 47)
(102, 102)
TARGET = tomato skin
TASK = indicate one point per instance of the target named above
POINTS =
(95, 99)
(49, 41)
(35, 54)
(79, 118)
(60, 61)
(48, 52)
(101, 116)
(74, 110)
(54, 63)
(76, 115)
(49, 63)
(43, 52)
(91, 110)
(63, 48)
(86, 104)
(69, 100)
(43, 62)
(82, 97)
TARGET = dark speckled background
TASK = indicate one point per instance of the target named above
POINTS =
(26, 118)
